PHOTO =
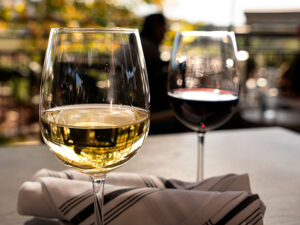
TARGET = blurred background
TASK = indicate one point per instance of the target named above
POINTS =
(267, 33)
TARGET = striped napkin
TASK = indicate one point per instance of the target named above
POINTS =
(141, 200)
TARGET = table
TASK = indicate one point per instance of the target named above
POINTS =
(269, 155)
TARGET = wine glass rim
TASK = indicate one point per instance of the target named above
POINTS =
(209, 33)
(94, 29)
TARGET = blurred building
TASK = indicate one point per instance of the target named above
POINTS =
(270, 38)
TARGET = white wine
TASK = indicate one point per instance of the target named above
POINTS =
(94, 138)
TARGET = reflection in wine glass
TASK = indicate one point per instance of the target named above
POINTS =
(203, 82)
(94, 107)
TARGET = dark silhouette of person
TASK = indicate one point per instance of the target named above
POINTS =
(152, 35)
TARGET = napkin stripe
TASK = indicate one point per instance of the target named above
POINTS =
(167, 183)
(77, 203)
(125, 201)
(256, 213)
(209, 223)
(257, 221)
(259, 215)
(238, 209)
(69, 175)
(255, 217)
(73, 201)
(83, 214)
(89, 210)
(149, 182)
(125, 207)
(114, 194)
(153, 182)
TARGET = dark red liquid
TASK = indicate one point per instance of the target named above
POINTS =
(202, 109)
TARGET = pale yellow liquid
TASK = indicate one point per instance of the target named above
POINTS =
(94, 138)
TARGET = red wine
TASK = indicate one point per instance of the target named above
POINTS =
(202, 109)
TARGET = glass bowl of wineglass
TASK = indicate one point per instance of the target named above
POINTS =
(203, 82)
(94, 101)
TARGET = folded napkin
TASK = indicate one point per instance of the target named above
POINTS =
(134, 199)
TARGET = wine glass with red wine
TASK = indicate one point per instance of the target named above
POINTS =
(203, 82)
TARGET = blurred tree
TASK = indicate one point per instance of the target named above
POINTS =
(25, 24)
(32, 19)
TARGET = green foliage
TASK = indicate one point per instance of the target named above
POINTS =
(21, 88)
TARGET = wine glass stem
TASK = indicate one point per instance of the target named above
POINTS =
(98, 190)
(200, 165)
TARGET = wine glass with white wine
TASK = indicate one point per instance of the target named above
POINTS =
(94, 106)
